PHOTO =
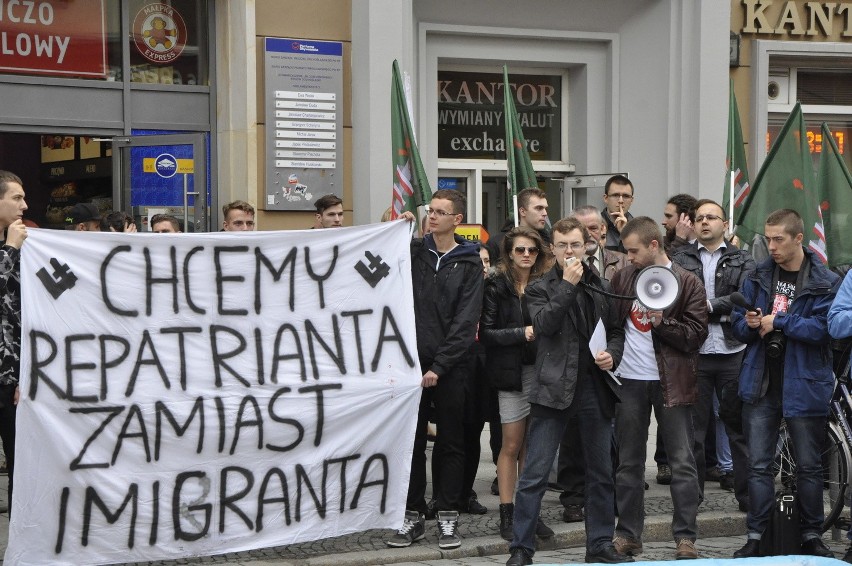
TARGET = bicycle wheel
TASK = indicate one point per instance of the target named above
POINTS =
(836, 462)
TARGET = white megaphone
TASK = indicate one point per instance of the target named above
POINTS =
(657, 287)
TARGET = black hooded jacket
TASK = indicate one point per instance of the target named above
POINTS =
(447, 302)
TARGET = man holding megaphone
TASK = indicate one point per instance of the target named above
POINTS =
(664, 329)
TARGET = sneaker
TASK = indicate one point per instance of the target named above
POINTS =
(664, 474)
(628, 546)
(413, 528)
(448, 529)
(848, 556)
(686, 550)
(726, 482)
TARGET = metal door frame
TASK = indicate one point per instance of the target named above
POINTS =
(121, 174)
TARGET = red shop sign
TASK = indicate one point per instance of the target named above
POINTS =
(53, 37)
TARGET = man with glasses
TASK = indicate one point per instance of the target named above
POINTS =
(446, 273)
(722, 267)
(239, 217)
(570, 474)
(618, 196)
(570, 382)
(657, 370)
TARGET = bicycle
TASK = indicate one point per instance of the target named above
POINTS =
(836, 455)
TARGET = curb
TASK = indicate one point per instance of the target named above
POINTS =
(657, 529)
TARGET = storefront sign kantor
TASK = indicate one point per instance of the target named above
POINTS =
(795, 18)
(471, 118)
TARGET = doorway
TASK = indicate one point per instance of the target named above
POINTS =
(162, 174)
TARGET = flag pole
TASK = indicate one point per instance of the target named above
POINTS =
(731, 153)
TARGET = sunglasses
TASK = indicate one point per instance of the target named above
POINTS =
(521, 250)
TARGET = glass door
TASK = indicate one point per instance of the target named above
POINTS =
(162, 174)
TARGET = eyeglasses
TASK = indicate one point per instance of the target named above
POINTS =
(522, 250)
(562, 246)
(620, 196)
(435, 212)
(708, 217)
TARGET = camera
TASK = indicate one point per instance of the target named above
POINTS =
(775, 343)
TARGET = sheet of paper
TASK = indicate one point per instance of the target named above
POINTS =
(597, 342)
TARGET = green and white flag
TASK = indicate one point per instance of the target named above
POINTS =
(519, 170)
(835, 190)
(736, 180)
(786, 180)
(410, 185)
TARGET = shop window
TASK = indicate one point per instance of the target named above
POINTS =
(841, 130)
(83, 40)
(825, 87)
(78, 40)
(168, 42)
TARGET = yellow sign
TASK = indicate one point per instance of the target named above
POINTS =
(472, 232)
(149, 165)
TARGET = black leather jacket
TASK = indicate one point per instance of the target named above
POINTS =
(501, 331)
(733, 267)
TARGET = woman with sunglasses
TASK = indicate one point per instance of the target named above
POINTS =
(507, 333)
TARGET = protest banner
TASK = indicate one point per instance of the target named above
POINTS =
(192, 395)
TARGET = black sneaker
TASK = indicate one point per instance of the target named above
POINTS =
(664, 474)
(448, 529)
(413, 528)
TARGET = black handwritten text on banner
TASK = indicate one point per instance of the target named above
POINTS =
(201, 394)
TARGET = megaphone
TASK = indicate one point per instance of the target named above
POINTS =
(657, 287)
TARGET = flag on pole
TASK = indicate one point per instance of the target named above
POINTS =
(410, 185)
(520, 174)
(785, 180)
(835, 194)
(736, 180)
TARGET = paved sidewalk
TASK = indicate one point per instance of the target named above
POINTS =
(721, 531)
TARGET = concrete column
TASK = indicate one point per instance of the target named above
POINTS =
(236, 77)
(382, 30)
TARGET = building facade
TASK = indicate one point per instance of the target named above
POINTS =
(788, 51)
(278, 102)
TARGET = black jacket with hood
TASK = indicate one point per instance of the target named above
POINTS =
(447, 303)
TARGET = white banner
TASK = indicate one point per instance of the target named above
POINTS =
(192, 395)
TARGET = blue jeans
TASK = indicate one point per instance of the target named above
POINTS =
(761, 424)
(674, 424)
(543, 437)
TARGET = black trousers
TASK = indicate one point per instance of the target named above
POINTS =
(448, 398)
(7, 430)
(716, 371)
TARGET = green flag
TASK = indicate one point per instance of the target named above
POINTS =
(410, 185)
(737, 168)
(519, 170)
(785, 180)
(835, 190)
